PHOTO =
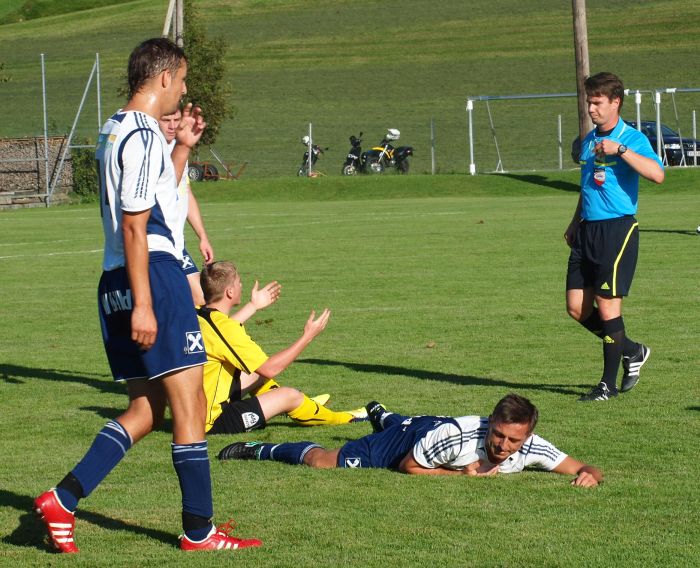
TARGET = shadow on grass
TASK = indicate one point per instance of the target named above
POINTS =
(673, 231)
(465, 380)
(544, 182)
(31, 532)
(15, 374)
(110, 413)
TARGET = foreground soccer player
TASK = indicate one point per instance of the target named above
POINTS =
(148, 321)
(436, 445)
(604, 234)
(237, 366)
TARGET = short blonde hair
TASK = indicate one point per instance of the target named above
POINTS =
(215, 278)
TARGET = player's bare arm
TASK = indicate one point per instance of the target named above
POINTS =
(189, 132)
(194, 218)
(410, 466)
(586, 475)
(645, 167)
(260, 298)
(143, 321)
(281, 360)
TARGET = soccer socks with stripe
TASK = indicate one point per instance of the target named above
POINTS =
(310, 413)
(594, 324)
(613, 342)
(107, 450)
(291, 453)
(191, 462)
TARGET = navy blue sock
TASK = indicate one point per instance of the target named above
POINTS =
(392, 418)
(191, 462)
(109, 447)
(291, 453)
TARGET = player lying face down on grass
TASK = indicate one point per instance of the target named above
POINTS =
(237, 366)
(503, 442)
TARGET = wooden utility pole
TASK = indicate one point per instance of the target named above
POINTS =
(582, 69)
(180, 23)
(175, 20)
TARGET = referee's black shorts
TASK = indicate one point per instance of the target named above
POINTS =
(604, 256)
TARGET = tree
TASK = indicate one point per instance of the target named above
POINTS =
(205, 74)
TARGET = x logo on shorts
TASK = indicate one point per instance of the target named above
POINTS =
(194, 342)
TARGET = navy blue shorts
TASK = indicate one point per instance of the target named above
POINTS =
(604, 256)
(387, 448)
(178, 344)
(189, 266)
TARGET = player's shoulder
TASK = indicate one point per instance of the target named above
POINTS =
(472, 426)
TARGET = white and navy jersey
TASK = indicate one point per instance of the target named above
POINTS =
(459, 442)
(183, 190)
(137, 174)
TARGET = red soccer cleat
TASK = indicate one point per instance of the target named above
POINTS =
(219, 539)
(59, 521)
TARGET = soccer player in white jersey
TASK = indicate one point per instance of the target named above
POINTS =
(149, 325)
(503, 442)
(173, 124)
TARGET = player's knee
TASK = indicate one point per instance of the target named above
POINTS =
(320, 458)
(292, 396)
(574, 312)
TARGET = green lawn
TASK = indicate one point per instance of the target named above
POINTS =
(366, 65)
(447, 293)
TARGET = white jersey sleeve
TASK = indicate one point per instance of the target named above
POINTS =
(538, 453)
(438, 447)
(141, 156)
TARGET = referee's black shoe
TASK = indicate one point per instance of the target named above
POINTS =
(375, 411)
(599, 392)
(631, 367)
(240, 451)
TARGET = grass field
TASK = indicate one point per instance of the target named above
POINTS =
(365, 65)
(447, 293)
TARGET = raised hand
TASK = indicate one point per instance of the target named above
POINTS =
(191, 126)
(266, 296)
(315, 326)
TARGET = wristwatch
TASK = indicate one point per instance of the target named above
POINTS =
(621, 149)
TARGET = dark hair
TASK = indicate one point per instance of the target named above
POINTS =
(151, 58)
(515, 409)
(215, 278)
(605, 85)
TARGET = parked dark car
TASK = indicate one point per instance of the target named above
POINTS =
(671, 143)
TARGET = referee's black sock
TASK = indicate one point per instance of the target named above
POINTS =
(594, 324)
(613, 343)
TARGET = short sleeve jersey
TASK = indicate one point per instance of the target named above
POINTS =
(455, 445)
(609, 186)
(230, 350)
(137, 174)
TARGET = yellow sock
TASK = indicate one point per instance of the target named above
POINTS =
(310, 413)
(268, 386)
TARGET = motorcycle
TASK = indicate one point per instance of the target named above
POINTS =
(316, 151)
(353, 164)
(383, 156)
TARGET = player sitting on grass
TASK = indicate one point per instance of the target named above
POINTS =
(237, 366)
(436, 445)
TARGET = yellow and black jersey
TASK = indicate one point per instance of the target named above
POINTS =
(230, 350)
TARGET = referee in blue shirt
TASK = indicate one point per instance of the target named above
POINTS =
(604, 235)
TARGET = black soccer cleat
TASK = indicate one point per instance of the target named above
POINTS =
(632, 366)
(599, 392)
(375, 412)
(240, 451)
